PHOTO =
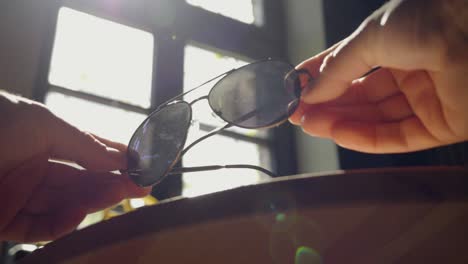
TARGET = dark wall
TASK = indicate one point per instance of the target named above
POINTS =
(341, 19)
(22, 27)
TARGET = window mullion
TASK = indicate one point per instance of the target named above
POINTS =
(128, 13)
(224, 33)
(98, 99)
(42, 80)
(168, 68)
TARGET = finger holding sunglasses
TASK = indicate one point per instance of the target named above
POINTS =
(36, 188)
(417, 96)
(54, 202)
(312, 67)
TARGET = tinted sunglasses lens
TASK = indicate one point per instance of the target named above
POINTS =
(157, 143)
(257, 95)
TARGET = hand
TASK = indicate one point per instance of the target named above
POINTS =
(42, 199)
(418, 99)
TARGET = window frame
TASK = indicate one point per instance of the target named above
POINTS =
(175, 24)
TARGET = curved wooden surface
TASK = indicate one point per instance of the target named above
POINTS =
(415, 215)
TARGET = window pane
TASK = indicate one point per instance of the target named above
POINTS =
(109, 122)
(241, 10)
(221, 150)
(201, 65)
(102, 57)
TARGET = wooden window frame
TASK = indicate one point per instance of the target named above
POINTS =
(174, 24)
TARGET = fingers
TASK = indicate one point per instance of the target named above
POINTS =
(17, 187)
(409, 112)
(374, 87)
(312, 65)
(116, 145)
(320, 120)
(378, 88)
(47, 199)
(323, 119)
(395, 108)
(397, 96)
(93, 191)
(394, 137)
(69, 143)
(44, 227)
(421, 93)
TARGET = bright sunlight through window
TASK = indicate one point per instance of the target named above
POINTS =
(200, 65)
(104, 58)
(220, 150)
(109, 122)
(97, 56)
(241, 10)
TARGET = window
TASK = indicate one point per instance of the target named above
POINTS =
(111, 65)
(98, 57)
(201, 65)
(106, 121)
(242, 10)
(101, 57)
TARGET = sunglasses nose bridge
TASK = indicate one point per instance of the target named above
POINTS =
(198, 99)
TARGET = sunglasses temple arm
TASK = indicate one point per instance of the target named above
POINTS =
(216, 131)
(212, 133)
(218, 167)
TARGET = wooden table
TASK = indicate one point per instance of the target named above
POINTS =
(412, 215)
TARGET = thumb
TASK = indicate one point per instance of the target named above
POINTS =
(350, 60)
(399, 35)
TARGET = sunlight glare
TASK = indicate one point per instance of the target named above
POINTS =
(241, 10)
(101, 57)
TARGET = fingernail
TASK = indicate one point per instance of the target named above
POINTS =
(293, 122)
(303, 119)
(303, 126)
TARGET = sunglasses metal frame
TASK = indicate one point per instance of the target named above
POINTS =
(177, 99)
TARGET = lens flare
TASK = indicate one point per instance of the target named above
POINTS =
(292, 235)
(307, 255)
(281, 217)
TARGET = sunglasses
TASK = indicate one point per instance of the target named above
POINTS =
(262, 94)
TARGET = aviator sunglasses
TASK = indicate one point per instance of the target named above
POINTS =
(258, 95)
